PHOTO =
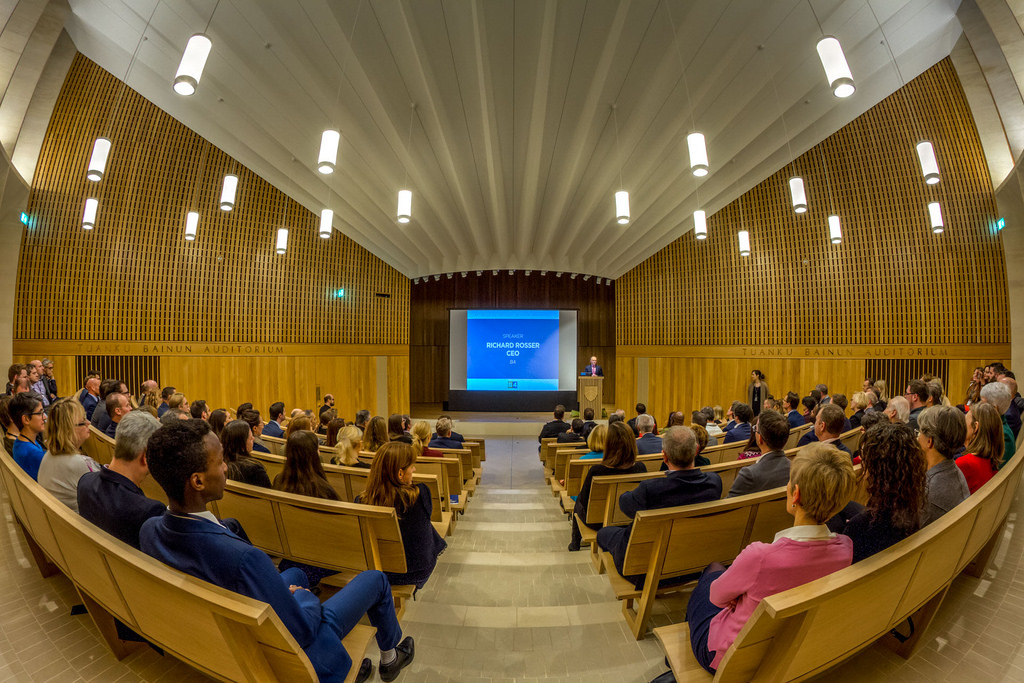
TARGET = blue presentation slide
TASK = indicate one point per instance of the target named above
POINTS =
(512, 350)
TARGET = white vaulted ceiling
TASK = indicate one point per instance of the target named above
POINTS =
(513, 159)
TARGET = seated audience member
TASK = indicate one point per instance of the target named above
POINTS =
(897, 409)
(700, 419)
(218, 419)
(112, 498)
(809, 405)
(821, 482)
(619, 458)
(1012, 411)
(647, 443)
(334, 427)
(997, 395)
(741, 430)
(917, 398)
(872, 400)
(10, 431)
(178, 402)
(302, 423)
(236, 440)
(90, 396)
(556, 426)
(151, 400)
(442, 437)
(255, 422)
(828, 426)
(148, 387)
(840, 400)
(100, 418)
(677, 419)
(595, 442)
(641, 409)
(713, 414)
(985, 446)
(772, 470)
(15, 373)
(166, 394)
(1017, 399)
(241, 409)
(573, 435)
(362, 417)
(274, 428)
(376, 434)
(895, 476)
(29, 418)
(858, 404)
(174, 415)
(618, 415)
(588, 422)
(199, 410)
(35, 381)
(349, 442)
(683, 485)
(870, 420)
(941, 430)
(396, 429)
(420, 434)
(188, 465)
(702, 443)
(328, 404)
(325, 421)
(751, 449)
(730, 417)
(881, 395)
(823, 399)
(63, 465)
(390, 485)
(117, 407)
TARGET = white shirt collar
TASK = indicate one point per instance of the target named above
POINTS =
(205, 514)
(817, 532)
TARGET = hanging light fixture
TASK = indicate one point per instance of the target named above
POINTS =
(282, 240)
(622, 207)
(935, 217)
(840, 79)
(404, 206)
(98, 159)
(798, 194)
(700, 225)
(190, 69)
(326, 223)
(835, 231)
(698, 154)
(92, 205)
(227, 193)
(929, 165)
(744, 243)
(191, 225)
(328, 158)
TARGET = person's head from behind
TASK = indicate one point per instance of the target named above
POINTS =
(840, 400)
(559, 412)
(302, 423)
(830, 422)
(577, 426)
(985, 434)
(821, 482)
(276, 411)
(808, 403)
(895, 472)
(67, 428)
(935, 392)
(167, 392)
(333, 427)
(941, 429)
(326, 417)
(871, 419)
(822, 388)
(443, 427)
(677, 419)
(390, 481)
(14, 372)
(588, 414)
(997, 395)
(640, 408)
(253, 419)
(132, 436)
(242, 408)
(743, 413)
(199, 410)
(218, 419)
(644, 424)
(897, 409)
(362, 417)
(349, 441)
(236, 438)
(420, 432)
(679, 446)
(5, 415)
(187, 460)
(596, 438)
(816, 395)
(108, 387)
(376, 433)
(619, 447)
(396, 424)
(615, 417)
(302, 450)
(772, 431)
(702, 437)
(699, 418)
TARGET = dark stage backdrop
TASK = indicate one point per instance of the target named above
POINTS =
(431, 300)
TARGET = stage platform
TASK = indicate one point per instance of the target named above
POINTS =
(489, 424)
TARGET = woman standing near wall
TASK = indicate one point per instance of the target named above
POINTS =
(757, 391)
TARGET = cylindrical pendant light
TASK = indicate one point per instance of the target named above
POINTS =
(698, 154)
(98, 159)
(929, 165)
(798, 194)
(328, 151)
(191, 225)
(190, 70)
(622, 207)
(227, 194)
(326, 223)
(835, 232)
(92, 205)
(282, 240)
(700, 225)
(840, 79)
(404, 206)
(935, 217)
(744, 243)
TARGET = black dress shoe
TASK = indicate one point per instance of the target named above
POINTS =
(365, 671)
(573, 547)
(406, 650)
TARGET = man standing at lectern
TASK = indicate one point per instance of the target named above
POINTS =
(593, 370)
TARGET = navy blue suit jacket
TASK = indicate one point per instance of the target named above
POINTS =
(441, 442)
(210, 552)
(741, 432)
(115, 504)
(647, 444)
(586, 370)
(795, 419)
(273, 429)
(88, 402)
(811, 437)
(454, 437)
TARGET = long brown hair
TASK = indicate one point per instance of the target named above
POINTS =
(619, 447)
(376, 434)
(303, 474)
(895, 471)
(988, 442)
(383, 486)
(333, 427)
(302, 423)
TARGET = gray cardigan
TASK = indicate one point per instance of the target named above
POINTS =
(947, 488)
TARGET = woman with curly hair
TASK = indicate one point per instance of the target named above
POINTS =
(984, 444)
(894, 471)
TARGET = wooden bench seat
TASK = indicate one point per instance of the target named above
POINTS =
(807, 630)
(275, 444)
(796, 433)
(226, 635)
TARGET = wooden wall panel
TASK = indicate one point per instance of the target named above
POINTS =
(432, 299)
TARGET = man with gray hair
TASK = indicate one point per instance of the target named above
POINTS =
(112, 498)
(898, 409)
(825, 398)
(647, 443)
(683, 484)
(998, 396)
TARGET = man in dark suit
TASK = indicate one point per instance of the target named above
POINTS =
(443, 434)
(741, 431)
(641, 409)
(793, 415)
(647, 443)
(574, 435)
(683, 484)
(828, 426)
(593, 370)
(588, 422)
(455, 436)
(90, 396)
(772, 469)
(100, 418)
(825, 399)
(165, 394)
(273, 428)
(917, 397)
(117, 407)
(556, 426)
(187, 461)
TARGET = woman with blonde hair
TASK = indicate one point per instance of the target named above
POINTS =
(420, 438)
(63, 465)
(595, 442)
(858, 404)
(984, 444)
(376, 434)
(152, 399)
(390, 485)
(348, 441)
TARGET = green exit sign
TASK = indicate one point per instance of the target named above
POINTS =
(1000, 224)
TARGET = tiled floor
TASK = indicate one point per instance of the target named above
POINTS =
(508, 602)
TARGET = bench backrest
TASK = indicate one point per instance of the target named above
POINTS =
(98, 446)
(448, 472)
(275, 444)
(225, 635)
(476, 448)
(796, 433)
(724, 452)
(851, 439)
(465, 457)
(562, 457)
(350, 482)
(576, 471)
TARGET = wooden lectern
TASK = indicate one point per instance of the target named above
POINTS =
(590, 394)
